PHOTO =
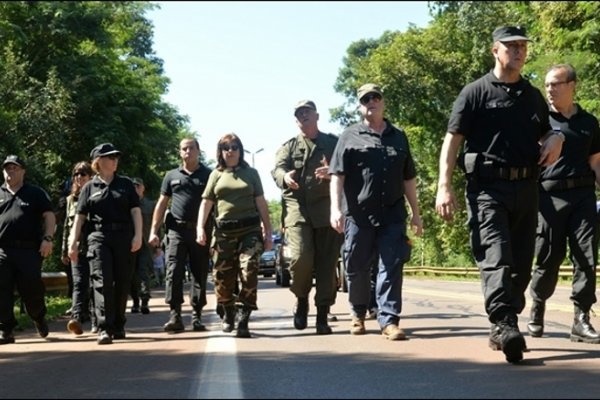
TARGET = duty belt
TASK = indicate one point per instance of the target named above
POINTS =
(185, 224)
(569, 183)
(19, 244)
(112, 227)
(237, 223)
(507, 173)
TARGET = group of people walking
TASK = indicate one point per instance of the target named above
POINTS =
(529, 166)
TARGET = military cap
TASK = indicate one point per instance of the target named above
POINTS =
(368, 88)
(509, 34)
(104, 149)
(14, 159)
(305, 104)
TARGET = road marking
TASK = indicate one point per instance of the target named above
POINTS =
(218, 376)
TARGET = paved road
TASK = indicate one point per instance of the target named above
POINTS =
(446, 357)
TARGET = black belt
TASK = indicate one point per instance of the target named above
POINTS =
(185, 224)
(569, 183)
(112, 227)
(20, 244)
(507, 173)
(237, 223)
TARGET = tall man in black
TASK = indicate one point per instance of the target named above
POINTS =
(504, 122)
(184, 187)
(568, 208)
(27, 225)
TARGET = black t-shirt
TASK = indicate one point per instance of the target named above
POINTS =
(504, 122)
(108, 204)
(582, 139)
(21, 213)
(375, 168)
(185, 191)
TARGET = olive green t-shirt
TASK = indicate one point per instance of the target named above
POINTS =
(233, 191)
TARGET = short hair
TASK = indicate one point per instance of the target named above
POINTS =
(231, 138)
(192, 139)
(571, 73)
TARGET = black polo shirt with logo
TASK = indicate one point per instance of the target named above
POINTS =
(374, 168)
(502, 121)
(108, 204)
(582, 139)
(21, 213)
(185, 191)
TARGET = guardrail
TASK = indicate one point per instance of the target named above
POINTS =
(565, 271)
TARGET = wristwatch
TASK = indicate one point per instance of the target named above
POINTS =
(48, 238)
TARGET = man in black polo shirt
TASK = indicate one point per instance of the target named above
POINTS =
(568, 208)
(184, 187)
(502, 119)
(24, 242)
(372, 171)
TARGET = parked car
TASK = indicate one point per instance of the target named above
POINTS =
(266, 264)
(282, 266)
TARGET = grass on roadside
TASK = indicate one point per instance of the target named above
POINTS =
(56, 306)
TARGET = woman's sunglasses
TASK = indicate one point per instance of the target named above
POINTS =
(233, 147)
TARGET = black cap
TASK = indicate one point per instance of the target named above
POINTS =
(104, 149)
(13, 159)
(137, 181)
(509, 34)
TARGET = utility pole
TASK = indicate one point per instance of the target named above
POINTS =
(253, 153)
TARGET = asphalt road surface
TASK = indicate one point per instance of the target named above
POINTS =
(446, 356)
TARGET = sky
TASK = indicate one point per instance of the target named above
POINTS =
(242, 66)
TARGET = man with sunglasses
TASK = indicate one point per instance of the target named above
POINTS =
(27, 225)
(183, 188)
(568, 208)
(372, 173)
(300, 171)
(503, 121)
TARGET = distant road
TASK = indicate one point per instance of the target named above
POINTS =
(446, 357)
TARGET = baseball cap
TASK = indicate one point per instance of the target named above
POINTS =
(509, 34)
(305, 104)
(14, 159)
(104, 149)
(138, 181)
(368, 88)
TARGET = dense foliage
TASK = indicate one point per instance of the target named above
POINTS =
(423, 69)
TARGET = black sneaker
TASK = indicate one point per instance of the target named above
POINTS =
(135, 309)
(174, 324)
(42, 328)
(6, 337)
(512, 341)
(145, 309)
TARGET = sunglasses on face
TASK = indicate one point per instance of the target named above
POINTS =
(367, 98)
(233, 147)
(79, 173)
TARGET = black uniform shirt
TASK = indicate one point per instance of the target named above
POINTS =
(108, 204)
(21, 213)
(375, 168)
(582, 139)
(185, 191)
(502, 121)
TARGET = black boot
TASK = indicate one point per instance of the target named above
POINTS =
(144, 308)
(228, 323)
(175, 323)
(135, 308)
(322, 327)
(242, 326)
(536, 319)
(582, 330)
(197, 324)
(301, 313)
(512, 341)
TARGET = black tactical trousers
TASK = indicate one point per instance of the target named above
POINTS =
(140, 284)
(566, 216)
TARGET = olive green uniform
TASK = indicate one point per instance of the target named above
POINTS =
(237, 240)
(313, 243)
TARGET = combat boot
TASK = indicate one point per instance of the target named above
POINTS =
(135, 308)
(197, 324)
(228, 318)
(144, 308)
(301, 313)
(242, 326)
(535, 327)
(582, 330)
(512, 341)
(322, 327)
(175, 324)
(6, 337)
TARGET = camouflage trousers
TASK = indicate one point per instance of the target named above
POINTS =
(236, 257)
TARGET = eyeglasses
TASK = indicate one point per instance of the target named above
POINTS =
(233, 147)
(79, 173)
(371, 96)
(554, 84)
(111, 157)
